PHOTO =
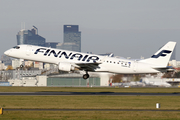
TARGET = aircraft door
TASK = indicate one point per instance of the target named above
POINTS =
(135, 66)
(28, 50)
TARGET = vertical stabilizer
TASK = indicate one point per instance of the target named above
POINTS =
(162, 56)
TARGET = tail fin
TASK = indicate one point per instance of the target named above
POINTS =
(162, 56)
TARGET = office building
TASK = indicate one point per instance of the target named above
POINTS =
(16, 63)
(30, 37)
(6, 60)
(51, 44)
(72, 38)
(2, 66)
(68, 46)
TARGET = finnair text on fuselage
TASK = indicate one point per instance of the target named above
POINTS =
(71, 56)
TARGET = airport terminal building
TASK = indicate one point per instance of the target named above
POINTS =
(62, 80)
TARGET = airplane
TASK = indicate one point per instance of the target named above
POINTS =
(71, 60)
(157, 83)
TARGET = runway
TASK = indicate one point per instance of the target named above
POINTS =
(85, 94)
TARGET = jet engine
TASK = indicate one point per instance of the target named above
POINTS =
(66, 67)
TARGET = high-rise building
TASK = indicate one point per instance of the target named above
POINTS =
(68, 46)
(6, 60)
(51, 44)
(30, 37)
(72, 38)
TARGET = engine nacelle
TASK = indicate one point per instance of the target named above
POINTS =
(66, 67)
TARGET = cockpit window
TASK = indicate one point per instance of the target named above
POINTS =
(16, 47)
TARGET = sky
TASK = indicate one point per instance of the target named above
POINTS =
(127, 28)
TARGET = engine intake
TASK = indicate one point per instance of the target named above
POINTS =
(66, 67)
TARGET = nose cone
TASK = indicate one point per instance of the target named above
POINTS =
(7, 52)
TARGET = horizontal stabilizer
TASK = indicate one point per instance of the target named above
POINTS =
(164, 69)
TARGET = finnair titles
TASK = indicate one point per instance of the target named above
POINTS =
(71, 56)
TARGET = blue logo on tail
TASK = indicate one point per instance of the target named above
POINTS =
(163, 53)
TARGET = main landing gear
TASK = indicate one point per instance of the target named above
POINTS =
(22, 63)
(86, 76)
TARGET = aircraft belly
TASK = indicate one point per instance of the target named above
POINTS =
(119, 69)
(142, 68)
(134, 69)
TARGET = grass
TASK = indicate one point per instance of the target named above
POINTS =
(89, 102)
(93, 89)
(91, 115)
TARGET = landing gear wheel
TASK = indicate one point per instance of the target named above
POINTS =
(21, 66)
(85, 76)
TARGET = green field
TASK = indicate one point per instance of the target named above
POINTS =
(90, 102)
(89, 89)
(90, 115)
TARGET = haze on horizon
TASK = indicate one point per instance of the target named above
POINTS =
(127, 28)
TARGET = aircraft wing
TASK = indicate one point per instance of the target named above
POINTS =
(88, 66)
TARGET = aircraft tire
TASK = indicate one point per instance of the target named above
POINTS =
(21, 66)
(85, 76)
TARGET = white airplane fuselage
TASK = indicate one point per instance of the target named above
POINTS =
(64, 57)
